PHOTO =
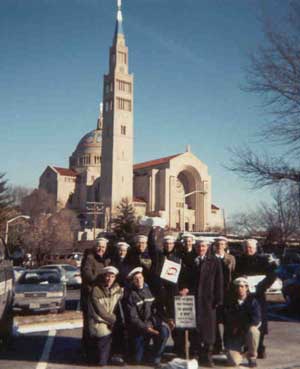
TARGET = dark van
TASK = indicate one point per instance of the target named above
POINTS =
(6, 295)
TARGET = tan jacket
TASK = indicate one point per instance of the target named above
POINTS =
(101, 306)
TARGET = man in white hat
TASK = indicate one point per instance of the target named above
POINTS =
(120, 261)
(220, 249)
(242, 322)
(102, 303)
(138, 256)
(163, 290)
(206, 284)
(145, 320)
(93, 262)
(252, 263)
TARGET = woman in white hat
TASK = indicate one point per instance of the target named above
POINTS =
(101, 312)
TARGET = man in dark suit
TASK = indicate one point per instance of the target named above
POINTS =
(206, 284)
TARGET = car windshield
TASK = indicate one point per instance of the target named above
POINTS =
(70, 268)
(39, 277)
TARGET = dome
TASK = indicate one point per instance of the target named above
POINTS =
(90, 140)
(88, 151)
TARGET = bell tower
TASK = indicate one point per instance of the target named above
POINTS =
(117, 133)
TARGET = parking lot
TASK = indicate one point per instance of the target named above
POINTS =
(52, 341)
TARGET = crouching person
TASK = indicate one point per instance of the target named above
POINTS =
(101, 317)
(144, 321)
(242, 322)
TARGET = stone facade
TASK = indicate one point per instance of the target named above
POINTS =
(177, 187)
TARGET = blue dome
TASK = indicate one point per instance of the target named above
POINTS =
(92, 139)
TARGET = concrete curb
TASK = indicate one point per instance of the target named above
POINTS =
(47, 326)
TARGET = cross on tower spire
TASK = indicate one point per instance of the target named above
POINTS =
(119, 21)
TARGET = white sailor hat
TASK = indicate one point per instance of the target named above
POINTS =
(101, 239)
(169, 237)
(120, 244)
(134, 271)
(188, 235)
(109, 269)
(241, 281)
(141, 237)
(221, 238)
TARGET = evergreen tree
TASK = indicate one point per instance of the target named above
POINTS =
(125, 223)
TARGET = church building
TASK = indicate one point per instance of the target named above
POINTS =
(101, 169)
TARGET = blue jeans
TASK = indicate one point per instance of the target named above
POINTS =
(141, 345)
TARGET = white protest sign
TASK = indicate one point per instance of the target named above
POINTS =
(253, 281)
(170, 271)
(185, 312)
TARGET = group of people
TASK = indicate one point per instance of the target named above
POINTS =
(128, 307)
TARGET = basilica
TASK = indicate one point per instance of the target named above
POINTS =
(101, 169)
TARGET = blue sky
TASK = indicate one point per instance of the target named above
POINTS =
(188, 58)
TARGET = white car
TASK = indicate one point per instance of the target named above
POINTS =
(70, 274)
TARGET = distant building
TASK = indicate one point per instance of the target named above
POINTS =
(101, 169)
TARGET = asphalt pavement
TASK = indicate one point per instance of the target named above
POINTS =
(52, 346)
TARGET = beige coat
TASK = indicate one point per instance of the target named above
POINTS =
(101, 306)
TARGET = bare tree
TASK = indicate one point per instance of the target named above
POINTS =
(50, 233)
(39, 202)
(18, 193)
(277, 221)
(274, 73)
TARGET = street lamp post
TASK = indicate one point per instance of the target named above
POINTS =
(94, 208)
(12, 220)
(184, 197)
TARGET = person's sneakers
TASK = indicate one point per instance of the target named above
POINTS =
(117, 360)
(252, 363)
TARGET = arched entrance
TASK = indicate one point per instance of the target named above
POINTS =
(187, 200)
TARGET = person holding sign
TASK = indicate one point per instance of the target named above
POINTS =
(145, 319)
(166, 267)
(206, 284)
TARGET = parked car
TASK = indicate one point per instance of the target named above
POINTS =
(18, 271)
(291, 255)
(291, 291)
(40, 290)
(287, 271)
(6, 295)
(70, 274)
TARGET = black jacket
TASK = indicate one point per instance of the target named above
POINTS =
(238, 318)
(142, 310)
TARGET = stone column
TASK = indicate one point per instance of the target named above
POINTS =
(172, 205)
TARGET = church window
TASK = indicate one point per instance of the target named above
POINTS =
(107, 88)
(123, 130)
(106, 106)
(123, 104)
(124, 86)
(109, 105)
(122, 57)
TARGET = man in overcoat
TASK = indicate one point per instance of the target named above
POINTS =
(220, 249)
(206, 284)
(93, 263)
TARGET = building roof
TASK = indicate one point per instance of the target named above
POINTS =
(214, 207)
(66, 172)
(152, 163)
